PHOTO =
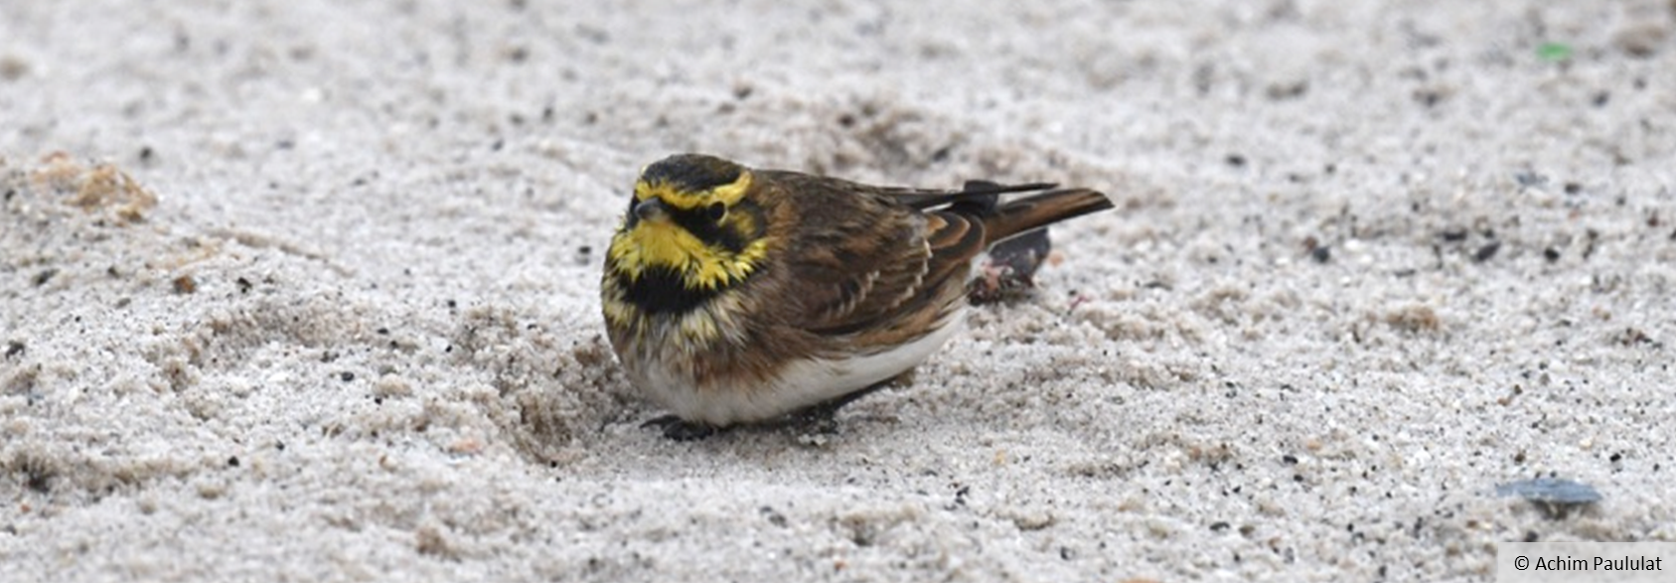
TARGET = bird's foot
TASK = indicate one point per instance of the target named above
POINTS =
(679, 429)
(822, 418)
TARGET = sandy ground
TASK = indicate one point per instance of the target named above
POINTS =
(301, 292)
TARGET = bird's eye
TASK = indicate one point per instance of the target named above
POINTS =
(716, 211)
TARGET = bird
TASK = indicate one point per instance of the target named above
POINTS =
(736, 296)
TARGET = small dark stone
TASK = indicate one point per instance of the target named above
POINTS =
(1528, 178)
(1235, 160)
(1454, 234)
(1219, 526)
(1573, 188)
(346, 376)
(14, 348)
(774, 516)
(185, 284)
(1486, 252)
(1551, 254)
(233, 462)
(44, 276)
(38, 475)
(244, 285)
(1322, 254)
(1289, 459)
(1285, 91)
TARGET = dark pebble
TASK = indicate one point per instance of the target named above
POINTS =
(1487, 251)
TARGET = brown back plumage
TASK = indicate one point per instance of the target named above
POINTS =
(878, 268)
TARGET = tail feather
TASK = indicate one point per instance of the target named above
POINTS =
(1033, 212)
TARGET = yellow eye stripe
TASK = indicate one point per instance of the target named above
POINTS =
(727, 194)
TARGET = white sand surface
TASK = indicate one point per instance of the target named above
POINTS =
(306, 291)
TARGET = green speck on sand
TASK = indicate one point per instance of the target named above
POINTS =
(1553, 51)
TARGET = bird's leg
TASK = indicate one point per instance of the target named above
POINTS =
(679, 429)
(817, 418)
(822, 417)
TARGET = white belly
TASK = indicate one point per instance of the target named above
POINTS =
(799, 385)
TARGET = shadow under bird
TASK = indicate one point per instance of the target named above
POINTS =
(737, 296)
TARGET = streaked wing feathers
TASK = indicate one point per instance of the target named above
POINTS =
(925, 198)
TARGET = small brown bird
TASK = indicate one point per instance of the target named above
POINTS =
(742, 296)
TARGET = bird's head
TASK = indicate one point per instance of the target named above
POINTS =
(693, 221)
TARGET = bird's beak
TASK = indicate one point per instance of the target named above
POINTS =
(650, 209)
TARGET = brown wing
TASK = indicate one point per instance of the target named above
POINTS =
(975, 190)
(862, 257)
(871, 257)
